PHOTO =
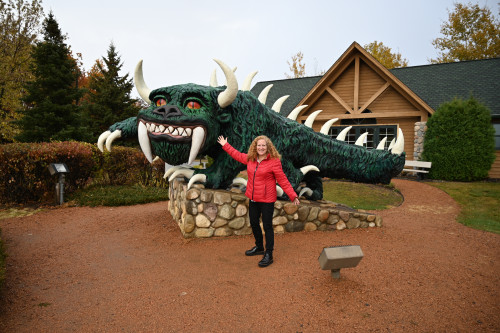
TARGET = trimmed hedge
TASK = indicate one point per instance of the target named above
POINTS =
(460, 141)
(24, 175)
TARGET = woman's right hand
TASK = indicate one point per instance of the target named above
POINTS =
(222, 140)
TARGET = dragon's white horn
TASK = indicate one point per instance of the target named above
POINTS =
(295, 112)
(140, 85)
(310, 120)
(343, 133)
(279, 102)
(263, 94)
(248, 81)
(227, 96)
(326, 126)
(213, 79)
(399, 146)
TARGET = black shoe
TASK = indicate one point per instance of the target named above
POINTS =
(254, 251)
(266, 260)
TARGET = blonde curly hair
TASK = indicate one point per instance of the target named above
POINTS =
(271, 149)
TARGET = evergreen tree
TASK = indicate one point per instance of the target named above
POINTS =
(460, 141)
(109, 98)
(50, 104)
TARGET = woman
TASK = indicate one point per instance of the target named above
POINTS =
(264, 169)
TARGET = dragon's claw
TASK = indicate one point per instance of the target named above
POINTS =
(240, 181)
(308, 168)
(102, 140)
(188, 173)
(171, 171)
(197, 178)
(279, 191)
(115, 135)
(305, 190)
(108, 137)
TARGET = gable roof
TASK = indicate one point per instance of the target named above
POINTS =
(433, 84)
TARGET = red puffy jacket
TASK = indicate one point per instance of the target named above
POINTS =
(262, 177)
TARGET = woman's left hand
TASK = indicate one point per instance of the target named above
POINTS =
(296, 201)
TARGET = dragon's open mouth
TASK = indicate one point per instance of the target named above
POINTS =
(181, 134)
(176, 132)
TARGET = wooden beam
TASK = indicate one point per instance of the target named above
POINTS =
(404, 114)
(327, 80)
(356, 85)
(339, 99)
(374, 96)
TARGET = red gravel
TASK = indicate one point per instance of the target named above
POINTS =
(129, 269)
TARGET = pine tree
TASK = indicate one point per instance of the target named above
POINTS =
(51, 111)
(109, 98)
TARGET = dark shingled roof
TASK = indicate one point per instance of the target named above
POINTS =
(434, 84)
(440, 83)
(296, 88)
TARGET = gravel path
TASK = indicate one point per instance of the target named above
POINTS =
(128, 269)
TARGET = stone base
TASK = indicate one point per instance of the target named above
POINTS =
(202, 212)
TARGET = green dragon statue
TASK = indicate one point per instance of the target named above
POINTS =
(184, 121)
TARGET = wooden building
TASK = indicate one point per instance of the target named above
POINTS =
(362, 93)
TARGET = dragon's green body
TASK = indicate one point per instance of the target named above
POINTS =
(184, 121)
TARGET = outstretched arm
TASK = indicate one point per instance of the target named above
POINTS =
(233, 152)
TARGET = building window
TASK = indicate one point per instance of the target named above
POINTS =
(375, 134)
(497, 136)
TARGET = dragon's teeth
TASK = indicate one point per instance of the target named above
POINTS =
(170, 129)
(175, 132)
(148, 126)
(189, 131)
(162, 128)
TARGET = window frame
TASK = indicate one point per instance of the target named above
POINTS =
(374, 136)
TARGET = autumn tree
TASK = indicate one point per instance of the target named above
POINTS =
(50, 105)
(471, 33)
(297, 68)
(385, 56)
(19, 29)
(108, 100)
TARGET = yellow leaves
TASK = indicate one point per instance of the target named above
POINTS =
(385, 56)
(470, 33)
(297, 68)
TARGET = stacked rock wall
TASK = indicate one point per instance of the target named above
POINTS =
(201, 212)
(418, 146)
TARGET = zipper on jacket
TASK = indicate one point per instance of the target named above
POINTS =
(253, 187)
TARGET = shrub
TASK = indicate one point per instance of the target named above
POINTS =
(24, 175)
(460, 141)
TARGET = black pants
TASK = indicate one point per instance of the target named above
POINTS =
(266, 209)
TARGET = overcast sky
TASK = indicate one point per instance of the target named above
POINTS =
(178, 39)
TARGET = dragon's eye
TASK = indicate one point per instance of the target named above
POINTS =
(160, 102)
(193, 105)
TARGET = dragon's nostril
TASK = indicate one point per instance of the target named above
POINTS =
(167, 111)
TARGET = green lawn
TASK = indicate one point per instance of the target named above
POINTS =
(117, 195)
(479, 202)
(362, 196)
